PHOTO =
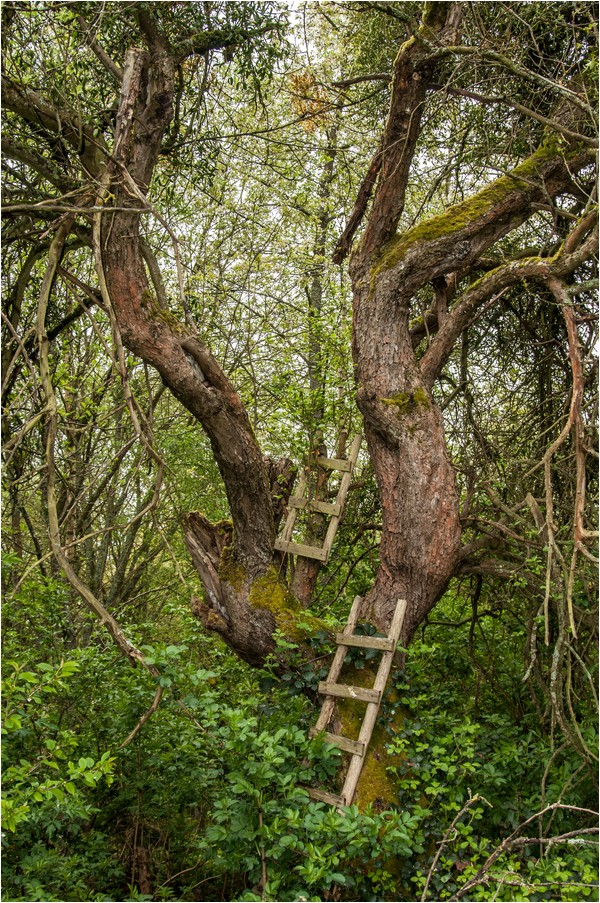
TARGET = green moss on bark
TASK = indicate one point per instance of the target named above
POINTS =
(155, 312)
(271, 593)
(407, 402)
(376, 786)
(456, 218)
(231, 571)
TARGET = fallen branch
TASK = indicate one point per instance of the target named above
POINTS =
(470, 802)
(514, 840)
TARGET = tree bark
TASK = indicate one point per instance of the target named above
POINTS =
(235, 563)
(186, 366)
(421, 532)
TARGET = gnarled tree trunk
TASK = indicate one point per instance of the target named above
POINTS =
(235, 565)
(421, 532)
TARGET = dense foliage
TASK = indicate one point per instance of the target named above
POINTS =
(207, 801)
(184, 778)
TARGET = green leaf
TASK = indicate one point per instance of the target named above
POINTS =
(13, 723)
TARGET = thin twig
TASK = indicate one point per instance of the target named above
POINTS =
(470, 802)
(147, 714)
(509, 841)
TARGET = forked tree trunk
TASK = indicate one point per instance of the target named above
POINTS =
(420, 537)
(420, 544)
(421, 533)
(246, 595)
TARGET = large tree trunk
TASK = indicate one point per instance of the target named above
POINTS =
(420, 544)
(246, 598)
(420, 538)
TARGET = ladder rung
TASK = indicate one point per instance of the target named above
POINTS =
(297, 548)
(297, 501)
(366, 642)
(335, 464)
(322, 796)
(344, 691)
(352, 746)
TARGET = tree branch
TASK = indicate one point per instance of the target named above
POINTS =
(127, 648)
(40, 114)
(100, 52)
(38, 163)
(493, 283)
(219, 38)
(342, 249)
(512, 839)
(413, 70)
(358, 79)
(554, 124)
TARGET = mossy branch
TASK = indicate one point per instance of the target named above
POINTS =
(493, 283)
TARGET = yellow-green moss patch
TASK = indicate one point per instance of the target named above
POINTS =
(460, 215)
(417, 321)
(156, 312)
(270, 592)
(231, 571)
(407, 402)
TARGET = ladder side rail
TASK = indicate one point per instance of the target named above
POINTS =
(398, 620)
(336, 667)
(290, 522)
(357, 761)
(341, 496)
(354, 449)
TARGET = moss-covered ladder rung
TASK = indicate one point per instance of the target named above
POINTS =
(334, 510)
(332, 690)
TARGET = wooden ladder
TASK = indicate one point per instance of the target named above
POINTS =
(335, 509)
(332, 690)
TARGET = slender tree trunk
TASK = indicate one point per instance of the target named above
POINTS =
(306, 572)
